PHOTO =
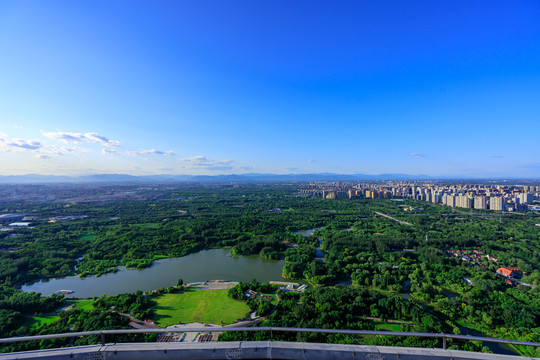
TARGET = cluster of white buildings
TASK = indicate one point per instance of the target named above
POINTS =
(488, 197)
(496, 202)
(470, 196)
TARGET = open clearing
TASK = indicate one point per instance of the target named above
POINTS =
(198, 305)
(35, 322)
(379, 326)
(85, 305)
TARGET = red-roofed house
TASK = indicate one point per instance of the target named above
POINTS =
(509, 271)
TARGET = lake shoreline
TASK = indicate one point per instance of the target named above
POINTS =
(195, 267)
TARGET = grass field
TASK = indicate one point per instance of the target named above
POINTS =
(35, 322)
(387, 327)
(198, 305)
(85, 305)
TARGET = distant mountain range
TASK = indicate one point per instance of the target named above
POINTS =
(254, 177)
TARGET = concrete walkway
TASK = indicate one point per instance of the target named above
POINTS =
(393, 218)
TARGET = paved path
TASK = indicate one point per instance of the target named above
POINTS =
(139, 324)
(392, 218)
(214, 286)
(277, 302)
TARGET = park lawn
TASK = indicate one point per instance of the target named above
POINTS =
(85, 305)
(198, 305)
(35, 322)
(382, 326)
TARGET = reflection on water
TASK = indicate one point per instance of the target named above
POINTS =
(205, 265)
(308, 232)
(319, 255)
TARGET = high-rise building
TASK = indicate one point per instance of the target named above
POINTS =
(526, 198)
(496, 203)
(331, 195)
(450, 200)
(480, 202)
(464, 201)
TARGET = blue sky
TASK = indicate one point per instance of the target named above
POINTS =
(215, 87)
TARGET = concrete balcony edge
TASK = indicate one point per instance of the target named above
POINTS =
(250, 350)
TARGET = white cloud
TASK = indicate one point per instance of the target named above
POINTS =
(78, 138)
(43, 156)
(98, 139)
(25, 144)
(17, 145)
(201, 162)
(48, 152)
(44, 151)
(151, 152)
(109, 152)
(65, 137)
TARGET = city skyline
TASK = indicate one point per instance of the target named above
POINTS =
(242, 87)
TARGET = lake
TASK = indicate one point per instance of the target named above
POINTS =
(204, 265)
(319, 255)
(308, 232)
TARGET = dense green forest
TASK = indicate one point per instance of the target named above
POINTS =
(389, 268)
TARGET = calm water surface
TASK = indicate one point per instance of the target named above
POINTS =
(308, 232)
(318, 252)
(205, 265)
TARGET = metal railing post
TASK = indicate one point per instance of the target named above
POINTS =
(102, 339)
(444, 344)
